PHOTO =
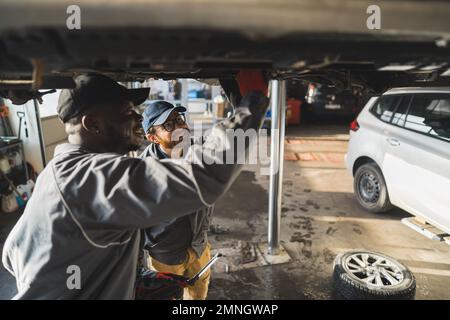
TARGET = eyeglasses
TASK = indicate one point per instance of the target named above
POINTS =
(170, 125)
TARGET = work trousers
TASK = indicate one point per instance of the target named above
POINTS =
(188, 269)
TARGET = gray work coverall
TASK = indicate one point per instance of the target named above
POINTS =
(88, 208)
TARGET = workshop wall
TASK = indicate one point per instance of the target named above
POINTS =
(53, 132)
(31, 144)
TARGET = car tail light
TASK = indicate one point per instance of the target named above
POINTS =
(311, 89)
(354, 125)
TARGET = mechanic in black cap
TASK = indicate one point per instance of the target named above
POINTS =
(179, 245)
(79, 236)
(95, 111)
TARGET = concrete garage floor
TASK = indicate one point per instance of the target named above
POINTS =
(320, 219)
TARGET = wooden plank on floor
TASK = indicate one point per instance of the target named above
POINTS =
(421, 221)
(425, 229)
(447, 240)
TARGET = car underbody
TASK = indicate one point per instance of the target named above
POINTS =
(310, 41)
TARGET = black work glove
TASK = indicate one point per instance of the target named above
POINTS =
(153, 285)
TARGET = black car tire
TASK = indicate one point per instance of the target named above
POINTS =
(379, 203)
(348, 286)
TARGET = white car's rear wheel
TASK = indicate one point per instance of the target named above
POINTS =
(370, 189)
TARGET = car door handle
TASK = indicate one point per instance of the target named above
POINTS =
(393, 142)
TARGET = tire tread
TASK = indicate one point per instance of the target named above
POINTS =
(352, 290)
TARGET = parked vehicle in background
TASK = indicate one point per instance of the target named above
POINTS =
(399, 153)
(323, 100)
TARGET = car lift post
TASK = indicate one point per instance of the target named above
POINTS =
(278, 114)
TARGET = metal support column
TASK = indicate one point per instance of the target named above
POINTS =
(278, 108)
(185, 99)
(39, 128)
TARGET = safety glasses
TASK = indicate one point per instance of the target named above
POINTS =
(170, 125)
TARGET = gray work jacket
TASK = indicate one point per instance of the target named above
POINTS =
(79, 236)
(169, 241)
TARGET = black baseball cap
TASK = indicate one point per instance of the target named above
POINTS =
(157, 113)
(95, 89)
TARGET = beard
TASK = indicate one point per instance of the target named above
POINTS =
(177, 137)
(125, 141)
(168, 144)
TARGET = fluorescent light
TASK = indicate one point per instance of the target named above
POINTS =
(397, 68)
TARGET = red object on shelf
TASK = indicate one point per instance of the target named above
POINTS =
(293, 111)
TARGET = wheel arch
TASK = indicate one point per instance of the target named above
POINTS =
(361, 161)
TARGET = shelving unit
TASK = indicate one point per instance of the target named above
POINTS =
(18, 174)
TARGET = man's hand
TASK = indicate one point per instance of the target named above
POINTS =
(256, 102)
(152, 285)
(253, 88)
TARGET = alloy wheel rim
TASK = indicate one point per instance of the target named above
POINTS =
(373, 270)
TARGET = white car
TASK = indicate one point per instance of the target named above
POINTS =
(399, 153)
